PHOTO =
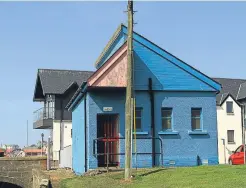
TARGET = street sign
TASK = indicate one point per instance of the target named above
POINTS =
(107, 109)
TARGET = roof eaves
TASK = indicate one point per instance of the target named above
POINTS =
(35, 86)
(41, 82)
(229, 95)
(75, 97)
(101, 67)
(109, 44)
(38, 77)
(71, 85)
(221, 99)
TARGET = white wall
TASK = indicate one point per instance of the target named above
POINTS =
(66, 149)
(228, 122)
(56, 140)
(67, 133)
(67, 139)
(66, 157)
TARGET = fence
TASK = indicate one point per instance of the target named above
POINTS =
(111, 139)
(43, 113)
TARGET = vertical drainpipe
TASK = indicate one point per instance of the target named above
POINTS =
(152, 108)
(61, 128)
(243, 129)
(85, 133)
(242, 121)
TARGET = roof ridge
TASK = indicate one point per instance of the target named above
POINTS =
(243, 83)
(221, 98)
(109, 43)
(239, 90)
(229, 78)
(66, 70)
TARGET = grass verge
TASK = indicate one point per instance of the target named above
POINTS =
(222, 176)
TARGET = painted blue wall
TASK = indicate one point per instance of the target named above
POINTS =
(78, 138)
(183, 148)
(96, 102)
(176, 86)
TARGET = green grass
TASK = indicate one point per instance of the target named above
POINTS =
(222, 176)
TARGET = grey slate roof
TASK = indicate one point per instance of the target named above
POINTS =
(58, 81)
(229, 86)
(75, 95)
(242, 92)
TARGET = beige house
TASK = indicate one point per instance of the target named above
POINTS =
(229, 118)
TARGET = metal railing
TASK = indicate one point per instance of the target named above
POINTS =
(116, 139)
(43, 113)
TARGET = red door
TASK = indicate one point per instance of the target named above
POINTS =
(107, 130)
(238, 156)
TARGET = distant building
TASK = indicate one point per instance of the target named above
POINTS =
(34, 151)
(2, 152)
(10, 148)
(230, 116)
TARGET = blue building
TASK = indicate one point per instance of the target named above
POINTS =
(175, 104)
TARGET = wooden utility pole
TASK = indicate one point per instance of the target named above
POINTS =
(129, 94)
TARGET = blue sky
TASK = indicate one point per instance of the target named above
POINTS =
(70, 35)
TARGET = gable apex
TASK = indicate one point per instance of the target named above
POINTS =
(117, 34)
(121, 35)
(226, 96)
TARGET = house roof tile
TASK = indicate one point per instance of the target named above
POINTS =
(58, 81)
(229, 86)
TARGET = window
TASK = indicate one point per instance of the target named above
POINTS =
(138, 117)
(230, 136)
(166, 115)
(229, 107)
(49, 106)
(196, 118)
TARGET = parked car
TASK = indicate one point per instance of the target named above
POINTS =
(237, 156)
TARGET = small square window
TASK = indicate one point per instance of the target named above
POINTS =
(138, 118)
(196, 118)
(230, 136)
(229, 107)
(166, 115)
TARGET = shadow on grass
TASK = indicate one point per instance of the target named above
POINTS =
(152, 172)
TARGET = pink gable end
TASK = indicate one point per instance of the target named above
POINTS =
(113, 72)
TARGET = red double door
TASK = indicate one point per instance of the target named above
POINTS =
(108, 143)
